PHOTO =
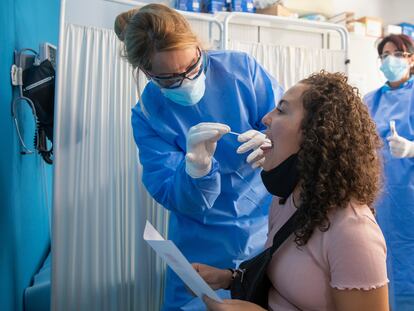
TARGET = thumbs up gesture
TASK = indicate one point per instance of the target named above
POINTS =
(399, 146)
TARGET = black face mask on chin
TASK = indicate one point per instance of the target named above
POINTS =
(282, 180)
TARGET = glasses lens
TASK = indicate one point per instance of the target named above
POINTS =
(384, 56)
(399, 54)
(169, 83)
(195, 73)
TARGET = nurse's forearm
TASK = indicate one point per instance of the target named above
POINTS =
(194, 196)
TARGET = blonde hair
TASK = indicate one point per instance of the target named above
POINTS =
(151, 29)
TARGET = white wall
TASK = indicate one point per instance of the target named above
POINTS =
(364, 70)
(397, 11)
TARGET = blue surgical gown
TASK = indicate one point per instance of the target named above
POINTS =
(219, 219)
(395, 208)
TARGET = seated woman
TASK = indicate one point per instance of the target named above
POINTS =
(324, 163)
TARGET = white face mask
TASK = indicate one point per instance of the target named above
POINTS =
(189, 93)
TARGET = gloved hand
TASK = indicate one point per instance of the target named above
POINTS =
(252, 140)
(399, 146)
(201, 145)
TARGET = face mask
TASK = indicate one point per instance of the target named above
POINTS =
(282, 180)
(189, 93)
(394, 68)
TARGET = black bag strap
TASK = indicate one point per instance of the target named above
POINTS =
(283, 233)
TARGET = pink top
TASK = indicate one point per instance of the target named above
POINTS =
(350, 255)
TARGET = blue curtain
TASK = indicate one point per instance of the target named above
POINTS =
(24, 214)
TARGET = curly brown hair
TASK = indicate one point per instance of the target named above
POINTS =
(339, 156)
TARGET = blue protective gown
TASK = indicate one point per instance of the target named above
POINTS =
(219, 219)
(395, 208)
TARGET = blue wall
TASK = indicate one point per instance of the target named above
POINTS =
(24, 215)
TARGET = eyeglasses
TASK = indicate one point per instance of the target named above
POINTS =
(398, 54)
(175, 80)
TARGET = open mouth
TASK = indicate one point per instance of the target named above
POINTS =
(267, 145)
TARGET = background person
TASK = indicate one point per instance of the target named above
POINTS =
(394, 101)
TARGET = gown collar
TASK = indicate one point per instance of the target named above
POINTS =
(407, 84)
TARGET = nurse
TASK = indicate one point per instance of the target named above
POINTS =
(392, 107)
(192, 165)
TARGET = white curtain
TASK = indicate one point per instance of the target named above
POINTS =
(289, 64)
(99, 260)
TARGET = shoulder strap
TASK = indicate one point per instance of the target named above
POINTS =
(283, 233)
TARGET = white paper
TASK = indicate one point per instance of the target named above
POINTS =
(178, 263)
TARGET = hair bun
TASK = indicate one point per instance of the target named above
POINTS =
(121, 21)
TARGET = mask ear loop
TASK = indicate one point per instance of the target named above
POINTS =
(21, 97)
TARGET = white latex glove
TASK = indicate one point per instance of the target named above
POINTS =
(399, 146)
(201, 145)
(252, 140)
